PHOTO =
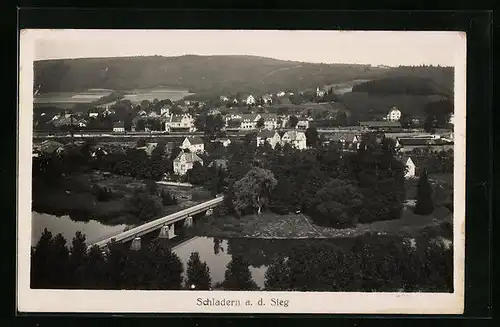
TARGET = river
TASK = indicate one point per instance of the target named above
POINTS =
(217, 253)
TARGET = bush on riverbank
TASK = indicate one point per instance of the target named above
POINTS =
(144, 206)
(371, 264)
(366, 263)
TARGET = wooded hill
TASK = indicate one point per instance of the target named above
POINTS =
(200, 74)
(407, 85)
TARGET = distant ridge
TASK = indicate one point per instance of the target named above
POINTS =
(214, 74)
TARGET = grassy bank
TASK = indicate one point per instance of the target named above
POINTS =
(297, 226)
(74, 196)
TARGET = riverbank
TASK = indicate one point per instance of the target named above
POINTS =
(74, 196)
(299, 226)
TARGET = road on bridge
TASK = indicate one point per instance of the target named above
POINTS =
(158, 223)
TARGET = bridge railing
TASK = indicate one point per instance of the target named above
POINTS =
(152, 225)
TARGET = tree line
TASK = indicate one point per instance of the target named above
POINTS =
(366, 263)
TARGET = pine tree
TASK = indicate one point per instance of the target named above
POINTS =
(78, 258)
(277, 276)
(198, 274)
(238, 276)
(424, 204)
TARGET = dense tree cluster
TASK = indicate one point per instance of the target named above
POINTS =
(366, 263)
(55, 266)
(324, 182)
(411, 85)
(370, 264)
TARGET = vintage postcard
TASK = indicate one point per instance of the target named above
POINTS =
(241, 171)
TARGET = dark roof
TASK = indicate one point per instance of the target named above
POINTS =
(380, 123)
(421, 141)
(248, 116)
(119, 124)
(404, 159)
(269, 116)
(188, 157)
(265, 133)
(50, 146)
(348, 137)
(195, 140)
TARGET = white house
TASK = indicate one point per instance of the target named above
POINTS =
(394, 114)
(165, 110)
(249, 121)
(268, 136)
(250, 100)
(119, 127)
(270, 121)
(184, 122)
(410, 167)
(266, 98)
(302, 124)
(224, 141)
(295, 139)
(185, 161)
(223, 98)
(319, 93)
(193, 144)
(280, 94)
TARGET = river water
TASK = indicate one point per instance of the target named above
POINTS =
(217, 253)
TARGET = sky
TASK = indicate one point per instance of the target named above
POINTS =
(363, 47)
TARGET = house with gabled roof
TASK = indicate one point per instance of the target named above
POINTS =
(303, 123)
(184, 123)
(193, 144)
(411, 166)
(394, 114)
(49, 147)
(185, 161)
(270, 121)
(119, 126)
(271, 137)
(249, 121)
(296, 139)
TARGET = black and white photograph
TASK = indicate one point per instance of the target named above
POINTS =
(241, 171)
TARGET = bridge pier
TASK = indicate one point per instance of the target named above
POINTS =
(188, 222)
(167, 231)
(136, 244)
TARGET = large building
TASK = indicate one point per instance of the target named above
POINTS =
(268, 136)
(296, 139)
(380, 125)
(185, 162)
(119, 127)
(182, 123)
(394, 114)
(193, 144)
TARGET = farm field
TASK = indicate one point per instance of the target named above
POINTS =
(139, 95)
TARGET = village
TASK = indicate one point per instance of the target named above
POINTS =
(232, 120)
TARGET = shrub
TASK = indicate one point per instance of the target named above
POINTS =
(102, 193)
(144, 206)
(167, 198)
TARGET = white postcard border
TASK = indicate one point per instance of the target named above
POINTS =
(31, 300)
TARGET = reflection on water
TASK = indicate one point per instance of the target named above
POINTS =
(93, 230)
(217, 254)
